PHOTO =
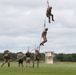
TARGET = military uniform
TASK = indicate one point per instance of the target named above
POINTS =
(20, 58)
(37, 58)
(28, 58)
(48, 13)
(44, 33)
(6, 59)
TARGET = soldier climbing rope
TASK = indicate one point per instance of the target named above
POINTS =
(49, 12)
(44, 33)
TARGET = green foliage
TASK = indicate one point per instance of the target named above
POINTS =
(74, 57)
(65, 57)
(58, 57)
(1, 56)
(13, 56)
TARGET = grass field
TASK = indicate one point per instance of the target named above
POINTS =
(44, 69)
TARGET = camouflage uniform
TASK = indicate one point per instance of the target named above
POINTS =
(37, 58)
(44, 33)
(28, 58)
(20, 58)
(48, 13)
(6, 59)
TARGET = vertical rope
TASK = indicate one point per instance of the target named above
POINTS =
(45, 21)
(48, 3)
(44, 25)
(38, 47)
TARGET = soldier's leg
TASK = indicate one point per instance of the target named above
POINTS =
(33, 63)
(29, 63)
(9, 63)
(49, 19)
(44, 40)
(48, 16)
(22, 64)
(37, 63)
(52, 17)
(18, 63)
(41, 43)
(26, 62)
(4, 62)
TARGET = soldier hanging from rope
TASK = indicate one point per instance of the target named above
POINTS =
(6, 59)
(49, 13)
(44, 33)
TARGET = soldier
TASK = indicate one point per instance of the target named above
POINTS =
(28, 58)
(6, 59)
(20, 58)
(44, 33)
(48, 13)
(37, 58)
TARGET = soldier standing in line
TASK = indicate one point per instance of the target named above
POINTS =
(37, 58)
(20, 58)
(28, 58)
(6, 59)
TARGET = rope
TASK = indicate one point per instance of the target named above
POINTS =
(45, 21)
(45, 15)
(48, 3)
(38, 47)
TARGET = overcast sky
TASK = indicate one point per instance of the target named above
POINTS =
(22, 21)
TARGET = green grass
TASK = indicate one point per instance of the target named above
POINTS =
(44, 69)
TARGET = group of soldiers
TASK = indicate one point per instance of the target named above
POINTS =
(20, 58)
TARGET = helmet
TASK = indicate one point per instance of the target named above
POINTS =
(46, 28)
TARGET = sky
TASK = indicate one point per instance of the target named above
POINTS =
(22, 23)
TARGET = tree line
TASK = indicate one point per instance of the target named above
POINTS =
(61, 57)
